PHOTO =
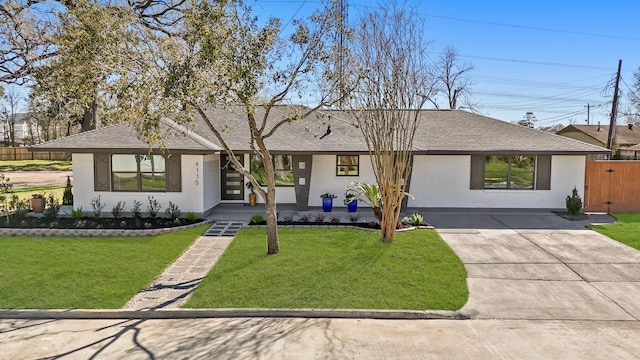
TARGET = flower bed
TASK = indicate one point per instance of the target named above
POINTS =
(37, 224)
(96, 231)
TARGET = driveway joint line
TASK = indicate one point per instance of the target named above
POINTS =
(579, 275)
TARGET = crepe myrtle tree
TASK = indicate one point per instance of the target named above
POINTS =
(395, 82)
(223, 56)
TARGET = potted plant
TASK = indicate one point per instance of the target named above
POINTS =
(369, 194)
(252, 197)
(37, 203)
(327, 201)
(351, 201)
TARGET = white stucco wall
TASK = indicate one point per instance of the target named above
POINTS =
(211, 181)
(191, 199)
(324, 178)
(443, 181)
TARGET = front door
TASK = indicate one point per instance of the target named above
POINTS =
(232, 180)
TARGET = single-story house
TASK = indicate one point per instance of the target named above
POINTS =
(625, 136)
(460, 160)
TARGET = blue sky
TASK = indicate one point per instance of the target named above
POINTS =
(549, 57)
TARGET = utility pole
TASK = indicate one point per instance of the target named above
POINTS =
(614, 111)
(589, 106)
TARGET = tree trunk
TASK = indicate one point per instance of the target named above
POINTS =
(389, 221)
(90, 116)
(272, 227)
(270, 206)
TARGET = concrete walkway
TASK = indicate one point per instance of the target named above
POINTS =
(174, 286)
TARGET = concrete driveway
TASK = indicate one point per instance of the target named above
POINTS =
(22, 179)
(535, 265)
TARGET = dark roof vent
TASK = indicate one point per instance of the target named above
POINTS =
(598, 125)
(630, 126)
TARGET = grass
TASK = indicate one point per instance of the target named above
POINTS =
(87, 273)
(35, 165)
(335, 268)
(625, 229)
(25, 193)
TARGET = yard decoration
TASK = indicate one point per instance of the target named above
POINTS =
(327, 201)
(369, 194)
(37, 203)
(351, 201)
(252, 197)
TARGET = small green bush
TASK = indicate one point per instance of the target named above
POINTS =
(191, 217)
(256, 219)
(415, 219)
(97, 206)
(20, 208)
(117, 210)
(76, 214)
(67, 196)
(173, 212)
(574, 203)
(51, 212)
(136, 210)
(153, 208)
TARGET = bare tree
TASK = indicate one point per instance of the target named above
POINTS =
(10, 111)
(633, 112)
(453, 79)
(393, 78)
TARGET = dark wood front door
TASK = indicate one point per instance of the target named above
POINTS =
(232, 181)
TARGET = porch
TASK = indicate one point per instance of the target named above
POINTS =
(441, 218)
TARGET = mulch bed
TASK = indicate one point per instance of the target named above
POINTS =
(91, 223)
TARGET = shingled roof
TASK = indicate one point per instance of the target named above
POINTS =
(123, 138)
(625, 135)
(440, 132)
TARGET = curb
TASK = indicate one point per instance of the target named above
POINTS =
(236, 313)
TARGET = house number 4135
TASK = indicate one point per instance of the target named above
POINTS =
(197, 173)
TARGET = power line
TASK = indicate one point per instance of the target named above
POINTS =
(533, 28)
(520, 61)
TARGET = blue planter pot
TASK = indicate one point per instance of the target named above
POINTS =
(327, 204)
(352, 206)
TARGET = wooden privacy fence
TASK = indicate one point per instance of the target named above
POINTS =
(21, 153)
(612, 186)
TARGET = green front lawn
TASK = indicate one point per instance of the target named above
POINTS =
(328, 268)
(87, 273)
(25, 193)
(31, 165)
(626, 229)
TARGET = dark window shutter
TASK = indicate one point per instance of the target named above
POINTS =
(174, 173)
(477, 172)
(101, 172)
(543, 172)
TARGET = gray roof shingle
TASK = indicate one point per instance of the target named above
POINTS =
(440, 132)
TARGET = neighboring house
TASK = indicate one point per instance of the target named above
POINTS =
(625, 136)
(461, 160)
(21, 128)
